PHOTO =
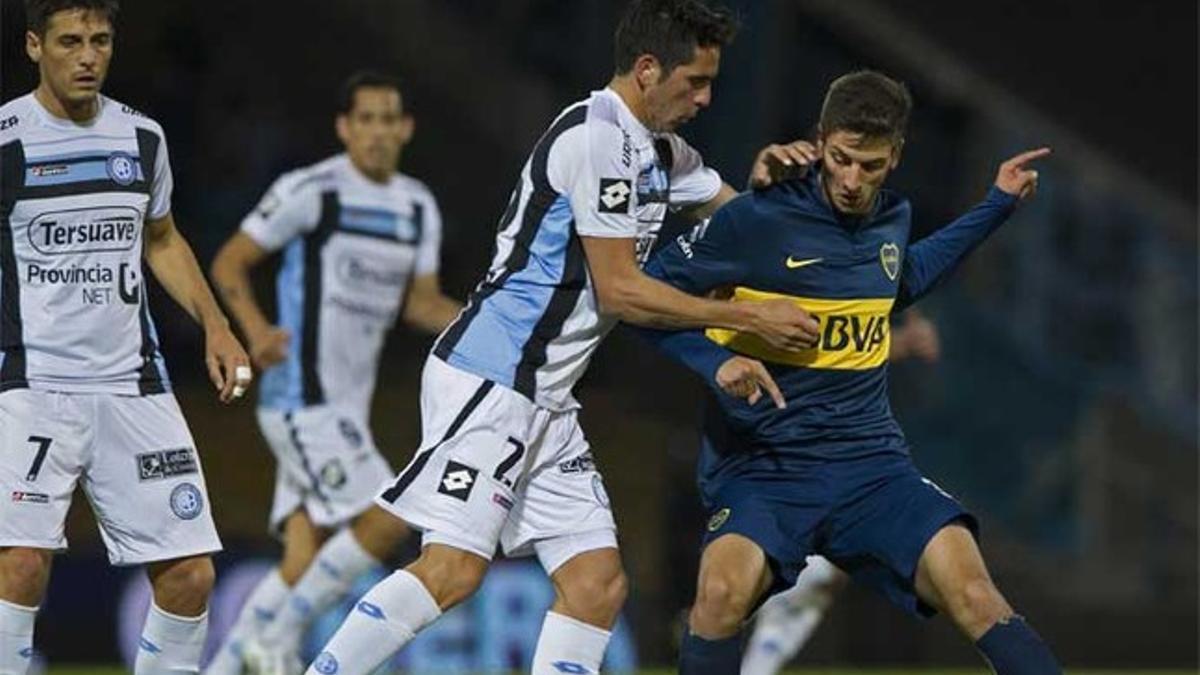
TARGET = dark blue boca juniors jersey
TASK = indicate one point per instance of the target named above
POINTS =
(850, 273)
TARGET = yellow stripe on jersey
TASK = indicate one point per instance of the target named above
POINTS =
(855, 334)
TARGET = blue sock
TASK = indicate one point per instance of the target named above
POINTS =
(1013, 648)
(708, 657)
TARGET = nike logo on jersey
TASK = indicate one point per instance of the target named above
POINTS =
(793, 264)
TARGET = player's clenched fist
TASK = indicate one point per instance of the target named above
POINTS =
(743, 377)
(784, 325)
(1014, 176)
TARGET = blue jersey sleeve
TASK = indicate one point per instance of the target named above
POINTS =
(698, 262)
(929, 261)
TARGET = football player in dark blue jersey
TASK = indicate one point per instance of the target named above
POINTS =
(827, 470)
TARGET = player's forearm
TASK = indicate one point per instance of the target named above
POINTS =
(690, 348)
(932, 259)
(172, 262)
(645, 301)
(232, 281)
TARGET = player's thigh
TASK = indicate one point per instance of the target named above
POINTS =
(44, 437)
(458, 488)
(562, 509)
(145, 482)
(328, 463)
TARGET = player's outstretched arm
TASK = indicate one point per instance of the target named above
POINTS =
(427, 308)
(627, 293)
(174, 265)
(929, 261)
(230, 271)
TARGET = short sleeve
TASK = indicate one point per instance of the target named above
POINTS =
(691, 181)
(286, 211)
(602, 183)
(429, 249)
(162, 183)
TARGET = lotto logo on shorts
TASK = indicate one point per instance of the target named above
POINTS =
(458, 480)
(166, 464)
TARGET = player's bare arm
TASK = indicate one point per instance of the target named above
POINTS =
(174, 265)
(231, 274)
(624, 291)
(427, 308)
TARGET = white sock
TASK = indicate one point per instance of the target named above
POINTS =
(568, 645)
(388, 617)
(16, 637)
(170, 644)
(326, 581)
(259, 610)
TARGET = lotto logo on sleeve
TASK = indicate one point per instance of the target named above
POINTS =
(614, 195)
(458, 480)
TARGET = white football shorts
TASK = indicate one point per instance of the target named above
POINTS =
(132, 455)
(494, 468)
(326, 463)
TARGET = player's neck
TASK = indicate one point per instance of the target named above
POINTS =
(78, 112)
(627, 89)
(377, 177)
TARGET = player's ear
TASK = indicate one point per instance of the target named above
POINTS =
(342, 126)
(33, 46)
(897, 150)
(408, 126)
(647, 70)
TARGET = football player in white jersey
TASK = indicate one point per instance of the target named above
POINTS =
(503, 460)
(784, 624)
(360, 246)
(84, 394)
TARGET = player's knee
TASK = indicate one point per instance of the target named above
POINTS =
(976, 604)
(722, 604)
(450, 575)
(23, 574)
(183, 586)
(595, 597)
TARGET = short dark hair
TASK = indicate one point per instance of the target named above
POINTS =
(670, 30)
(38, 12)
(868, 103)
(364, 79)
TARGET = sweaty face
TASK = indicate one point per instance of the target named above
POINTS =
(375, 130)
(678, 97)
(73, 55)
(854, 168)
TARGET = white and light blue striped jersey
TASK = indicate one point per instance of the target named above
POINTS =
(351, 247)
(74, 199)
(533, 323)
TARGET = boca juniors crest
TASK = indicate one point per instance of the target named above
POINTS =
(889, 257)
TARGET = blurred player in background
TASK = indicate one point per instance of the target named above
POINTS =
(827, 469)
(84, 394)
(784, 624)
(360, 246)
(503, 459)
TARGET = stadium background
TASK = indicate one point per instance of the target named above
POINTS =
(1064, 410)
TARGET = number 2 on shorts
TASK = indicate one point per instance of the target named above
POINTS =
(43, 444)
